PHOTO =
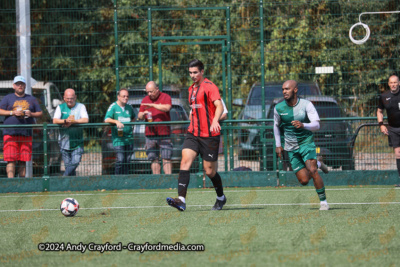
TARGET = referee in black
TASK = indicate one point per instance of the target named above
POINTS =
(390, 100)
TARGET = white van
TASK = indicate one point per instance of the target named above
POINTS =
(46, 92)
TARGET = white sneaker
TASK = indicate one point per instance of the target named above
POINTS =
(324, 206)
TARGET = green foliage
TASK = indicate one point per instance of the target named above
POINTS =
(78, 44)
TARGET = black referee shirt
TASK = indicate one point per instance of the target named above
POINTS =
(391, 102)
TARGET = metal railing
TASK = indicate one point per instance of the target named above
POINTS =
(343, 143)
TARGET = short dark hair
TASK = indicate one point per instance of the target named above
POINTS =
(196, 63)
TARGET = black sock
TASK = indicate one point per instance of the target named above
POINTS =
(183, 182)
(398, 166)
(217, 182)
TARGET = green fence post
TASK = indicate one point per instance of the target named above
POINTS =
(160, 85)
(116, 45)
(46, 181)
(262, 59)
(223, 54)
(226, 149)
(264, 149)
(229, 70)
(150, 44)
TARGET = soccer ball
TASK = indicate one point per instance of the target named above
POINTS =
(69, 207)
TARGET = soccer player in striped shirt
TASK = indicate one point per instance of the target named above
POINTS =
(203, 135)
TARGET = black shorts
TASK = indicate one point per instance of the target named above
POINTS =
(394, 136)
(207, 147)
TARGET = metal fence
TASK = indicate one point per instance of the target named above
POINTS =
(343, 144)
(98, 47)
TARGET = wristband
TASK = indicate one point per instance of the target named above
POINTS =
(11, 113)
(65, 121)
(380, 123)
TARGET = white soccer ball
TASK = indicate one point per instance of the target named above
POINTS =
(69, 207)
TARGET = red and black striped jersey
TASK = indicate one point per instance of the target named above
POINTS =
(201, 101)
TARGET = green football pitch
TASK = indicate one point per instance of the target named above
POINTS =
(257, 227)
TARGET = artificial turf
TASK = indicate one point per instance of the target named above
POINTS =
(257, 227)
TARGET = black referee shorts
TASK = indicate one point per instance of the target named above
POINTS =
(394, 136)
(207, 147)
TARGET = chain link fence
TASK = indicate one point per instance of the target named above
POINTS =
(98, 47)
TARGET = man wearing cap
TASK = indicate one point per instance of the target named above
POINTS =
(18, 108)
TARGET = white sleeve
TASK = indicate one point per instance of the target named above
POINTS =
(312, 112)
(83, 112)
(312, 126)
(312, 115)
(225, 109)
(277, 132)
(57, 113)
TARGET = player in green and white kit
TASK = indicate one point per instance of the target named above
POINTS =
(296, 119)
(118, 113)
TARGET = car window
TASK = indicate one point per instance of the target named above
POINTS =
(172, 94)
(40, 94)
(327, 109)
(271, 112)
(307, 89)
(54, 93)
(45, 117)
(275, 91)
(137, 93)
(271, 92)
(178, 114)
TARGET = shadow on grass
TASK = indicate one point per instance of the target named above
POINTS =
(331, 208)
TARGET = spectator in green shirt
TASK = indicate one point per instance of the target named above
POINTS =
(119, 113)
(71, 138)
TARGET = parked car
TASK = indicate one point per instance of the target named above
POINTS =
(252, 110)
(138, 159)
(272, 90)
(332, 140)
(53, 148)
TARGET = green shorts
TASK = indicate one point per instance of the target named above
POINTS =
(299, 156)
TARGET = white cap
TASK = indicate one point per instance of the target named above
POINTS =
(19, 79)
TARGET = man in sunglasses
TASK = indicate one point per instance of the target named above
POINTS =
(119, 113)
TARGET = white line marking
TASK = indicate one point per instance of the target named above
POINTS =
(230, 205)
(197, 192)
